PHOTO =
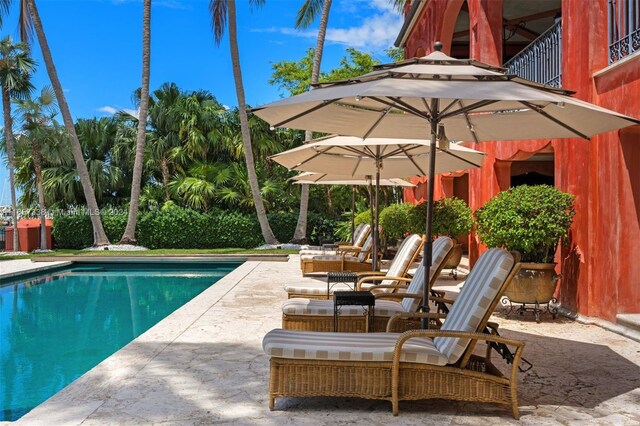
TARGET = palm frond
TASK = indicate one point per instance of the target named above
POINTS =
(308, 12)
(218, 10)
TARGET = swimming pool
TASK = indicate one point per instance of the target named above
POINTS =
(56, 327)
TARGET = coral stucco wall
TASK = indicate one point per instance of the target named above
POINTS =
(600, 273)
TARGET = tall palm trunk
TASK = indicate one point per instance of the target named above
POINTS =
(267, 233)
(166, 178)
(129, 235)
(8, 136)
(99, 236)
(299, 236)
(37, 166)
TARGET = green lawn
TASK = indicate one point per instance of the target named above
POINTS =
(159, 252)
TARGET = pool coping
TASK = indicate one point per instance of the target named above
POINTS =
(164, 258)
(130, 359)
(36, 269)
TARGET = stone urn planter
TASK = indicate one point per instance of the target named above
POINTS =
(531, 220)
(535, 284)
(455, 258)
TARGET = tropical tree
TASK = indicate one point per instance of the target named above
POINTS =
(129, 236)
(37, 116)
(221, 10)
(15, 67)
(306, 15)
(99, 236)
(166, 136)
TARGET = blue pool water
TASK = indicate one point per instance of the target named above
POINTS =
(55, 328)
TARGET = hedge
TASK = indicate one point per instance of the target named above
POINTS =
(177, 227)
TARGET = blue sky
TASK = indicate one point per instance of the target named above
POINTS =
(96, 46)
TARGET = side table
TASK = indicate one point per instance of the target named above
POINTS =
(341, 277)
(363, 298)
(330, 246)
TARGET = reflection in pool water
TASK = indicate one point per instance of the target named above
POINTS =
(54, 329)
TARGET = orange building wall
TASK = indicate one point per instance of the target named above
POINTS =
(600, 273)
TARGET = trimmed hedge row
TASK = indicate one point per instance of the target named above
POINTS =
(176, 227)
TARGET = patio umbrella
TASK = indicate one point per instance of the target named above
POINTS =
(412, 98)
(379, 157)
(310, 178)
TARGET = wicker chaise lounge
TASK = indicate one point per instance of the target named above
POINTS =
(417, 364)
(359, 236)
(354, 259)
(317, 315)
(398, 268)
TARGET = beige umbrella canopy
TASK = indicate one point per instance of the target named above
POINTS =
(391, 157)
(379, 158)
(311, 178)
(412, 99)
(474, 101)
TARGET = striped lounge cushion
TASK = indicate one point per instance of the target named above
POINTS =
(383, 308)
(441, 248)
(405, 254)
(281, 343)
(317, 289)
(308, 254)
(478, 292)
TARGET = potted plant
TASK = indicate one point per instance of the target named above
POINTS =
(531, 220)
(452, 217)
(394, 221)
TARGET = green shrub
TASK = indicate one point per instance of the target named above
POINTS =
(363, 217)
(283, 225)
(72, 231)
(172, 227)
(452, 217)
(529, 219)
(234, 230)
(394, 221)
(320, 228)
(176, 227)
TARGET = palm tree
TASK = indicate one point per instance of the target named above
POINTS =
(37, 116)
(99, 236)
(306, 15)
(129, 236)
(220, 11)
(15, 67)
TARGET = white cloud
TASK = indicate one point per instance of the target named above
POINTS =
(376, 31)
(112, 110)
(107, 109)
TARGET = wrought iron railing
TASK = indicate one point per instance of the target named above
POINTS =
(624, 28)
(540, 61)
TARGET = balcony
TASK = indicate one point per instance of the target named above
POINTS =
(624, 28)
(541, 61)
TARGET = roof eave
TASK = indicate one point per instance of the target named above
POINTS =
(409, 22)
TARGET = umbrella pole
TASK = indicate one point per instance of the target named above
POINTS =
(372, 219)
(428, 246)
(353, 214)
(376, 238)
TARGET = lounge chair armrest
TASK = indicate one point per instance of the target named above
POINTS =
(389, 287)
(378, 278)
(397, 296)
(518, 344)
(369, 273)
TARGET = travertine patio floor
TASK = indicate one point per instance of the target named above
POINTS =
(204, 364)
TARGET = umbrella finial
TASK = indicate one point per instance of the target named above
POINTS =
(437, 46)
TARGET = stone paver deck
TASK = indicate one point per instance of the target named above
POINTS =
(204, 364)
